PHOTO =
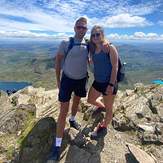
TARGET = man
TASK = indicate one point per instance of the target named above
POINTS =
(73, 79)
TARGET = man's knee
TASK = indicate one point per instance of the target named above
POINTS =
(64, 107)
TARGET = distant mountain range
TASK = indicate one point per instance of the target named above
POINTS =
(33, 61)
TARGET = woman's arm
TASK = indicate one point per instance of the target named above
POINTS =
(114, 61)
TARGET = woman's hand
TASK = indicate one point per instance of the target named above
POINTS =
(109, 90)
(90, 60)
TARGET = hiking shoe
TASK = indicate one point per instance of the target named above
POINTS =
(75, 125)
(99, 133)
(55, 155)
(102, 109)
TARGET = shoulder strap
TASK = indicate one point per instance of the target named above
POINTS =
(87, 43)
(119, 60)
(70, 46)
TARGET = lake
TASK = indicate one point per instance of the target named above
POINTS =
(157, 81)
(13, 86)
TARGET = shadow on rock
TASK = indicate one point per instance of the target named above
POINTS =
(82, 149)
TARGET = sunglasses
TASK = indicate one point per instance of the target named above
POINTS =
(81, 27)
(96, 35)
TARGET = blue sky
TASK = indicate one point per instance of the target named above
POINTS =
(122, 20)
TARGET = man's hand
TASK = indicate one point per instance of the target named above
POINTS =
(58, 84)
(105, 47)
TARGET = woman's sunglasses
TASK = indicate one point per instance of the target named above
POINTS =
(96, 34)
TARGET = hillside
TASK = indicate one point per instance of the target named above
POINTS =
(33, 62)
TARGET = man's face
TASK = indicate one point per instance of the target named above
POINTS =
(80, 29)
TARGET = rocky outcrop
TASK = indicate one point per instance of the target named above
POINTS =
(45, 102)
(140, 155)
(141, 110)
(30, 123)
(35, 147)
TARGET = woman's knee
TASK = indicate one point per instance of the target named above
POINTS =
(90, 100)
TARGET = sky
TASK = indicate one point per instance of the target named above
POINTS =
(54, 19)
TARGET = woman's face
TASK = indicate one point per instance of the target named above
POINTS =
(97, 36)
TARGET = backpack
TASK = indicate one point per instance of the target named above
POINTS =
(121, 70)
(72, 43)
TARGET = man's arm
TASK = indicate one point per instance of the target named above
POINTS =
(58, 61)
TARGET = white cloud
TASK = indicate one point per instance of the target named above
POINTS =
(22, 34)
(160, 22)
(136, 36)
(41, 21)
(139, 35)
(125, 20)
(59, 16)
(60, 36)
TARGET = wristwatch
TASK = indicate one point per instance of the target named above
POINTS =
(111, 84)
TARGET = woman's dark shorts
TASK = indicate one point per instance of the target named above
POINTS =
(69, 85)
(101, 87)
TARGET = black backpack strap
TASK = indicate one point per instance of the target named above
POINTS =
(70, 46)
(87, 44)
(119, 66)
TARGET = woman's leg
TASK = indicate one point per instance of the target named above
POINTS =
(93, 98)
(108, 102)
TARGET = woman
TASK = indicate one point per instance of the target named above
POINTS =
(105, 75)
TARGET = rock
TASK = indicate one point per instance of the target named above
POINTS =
(14, 120)
(5, 104)
(77, 138)
(140, 155)
(36, 146)
(25, 119)
(129, 92)
(139, 87)
(147, 127)
(159, 109)
(31, 108)
(121, 123)
(78, 155)
(149, 138)
(159, 129)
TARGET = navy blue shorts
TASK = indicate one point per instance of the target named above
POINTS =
(101, 87)
(69, 85)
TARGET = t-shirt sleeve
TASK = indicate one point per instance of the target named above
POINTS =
(62, 47)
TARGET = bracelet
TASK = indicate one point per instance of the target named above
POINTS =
(111, 84)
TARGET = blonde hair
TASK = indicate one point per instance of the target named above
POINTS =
(81, 19)
(92, 44)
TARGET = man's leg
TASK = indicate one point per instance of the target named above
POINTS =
(55, 155)
(62, 119)
(64, 98)
(74, 110)
(79, 91)
(75, 104)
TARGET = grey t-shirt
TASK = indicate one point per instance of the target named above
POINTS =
(75, 64)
